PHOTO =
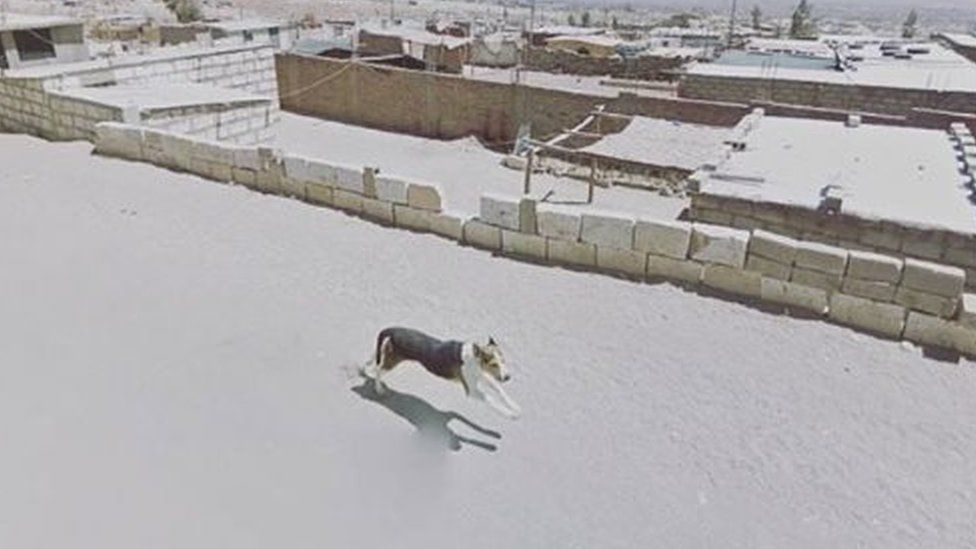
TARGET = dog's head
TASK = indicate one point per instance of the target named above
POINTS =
(491, 360)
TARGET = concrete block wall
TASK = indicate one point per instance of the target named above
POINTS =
(241, 123)
(35, 106)
(848, 231)
(927, 305)
(873, 292)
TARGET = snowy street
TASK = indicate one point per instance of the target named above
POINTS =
(178, 365)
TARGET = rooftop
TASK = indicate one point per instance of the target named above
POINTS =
(938, 69)
(238, 25)
(163, 96)
(900, 174)
(964, 40)
(19, 21)
(663, 143)
(418, 36)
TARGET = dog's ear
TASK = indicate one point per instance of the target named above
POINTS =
(478, 351)
(491, 341)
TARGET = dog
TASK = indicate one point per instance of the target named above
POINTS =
(479, 368)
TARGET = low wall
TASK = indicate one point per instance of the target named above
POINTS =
(915, 300)
(241, 123)
(872, 99)
(638, 68)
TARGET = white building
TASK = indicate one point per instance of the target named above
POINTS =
(29, 40)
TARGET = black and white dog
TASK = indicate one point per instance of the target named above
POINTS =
(480, 368)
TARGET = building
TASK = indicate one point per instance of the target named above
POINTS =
(439, 52)
(232, 33)
(540, 36)
(30, 40)
(870, 75)
(597, 45)
(895, 190)
(963, 44)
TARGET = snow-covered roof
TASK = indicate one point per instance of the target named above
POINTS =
(939, 69)
(908, 175)
(594, 39)
(566, 30)
(418, 36)
(162, 96)
(964, 40)
(240, 25)
(18, 21)
(663, 143)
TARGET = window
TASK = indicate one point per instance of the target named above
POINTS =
(248, 36)
(34, 44)
(3, 58)
(275, 38)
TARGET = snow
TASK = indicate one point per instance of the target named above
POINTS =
(590, 85)
(463, 169)
(163, 96)
(663, 143)
(21, 21)
(901, 174)
(175, 357)
(941, 69)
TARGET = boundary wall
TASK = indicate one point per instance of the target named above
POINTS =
(915, 300)
(901, 239)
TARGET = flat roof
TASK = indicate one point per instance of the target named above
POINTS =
(901, 174)
(163, 96)
(939, 69)
(238, 25)
(965, 40)
(20, 21)
(663, 143)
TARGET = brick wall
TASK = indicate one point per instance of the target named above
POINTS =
(641, 68)
(892, 101)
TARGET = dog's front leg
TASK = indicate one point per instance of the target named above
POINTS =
(495, 396)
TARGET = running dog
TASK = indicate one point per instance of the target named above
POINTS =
(479, 368)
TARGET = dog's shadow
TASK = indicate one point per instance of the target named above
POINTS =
(431, 423)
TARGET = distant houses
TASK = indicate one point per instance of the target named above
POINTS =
(30, 40)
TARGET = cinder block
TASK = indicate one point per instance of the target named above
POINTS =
(733, 281)
(816, 279)
(378, 210)
(527, 216)
(247, 158)
(768, 267)
(369, 182)
(719, 245)
(941, 306)
(821, 257)
(424, 197)
(319, 193)
(244, 176)
(792, 295)
(411, 218)
(448, 225)
(683, 270)
(121, 140)
(608, 230)
(869, 289)
(665, 238)
(345, 200)
(882, 318)
(778, 248)
(624, 261)
(574, 253)
(558, 223)
(937, 332)
(933, 278)
(967, 311)
(293, 188)
(877, 267)
(524, 245)
(349, 178)
(883, 238)
(391, 189)
(500, 211)
(482, 235)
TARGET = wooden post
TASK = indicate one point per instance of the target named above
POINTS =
(527, 188)
(589, 196)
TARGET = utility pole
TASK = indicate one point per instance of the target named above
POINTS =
(732, 23)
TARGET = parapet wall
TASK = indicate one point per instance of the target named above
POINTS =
(850, 98)
(919, 301)
(646, 67)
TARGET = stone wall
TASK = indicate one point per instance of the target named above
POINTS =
(646, 67)
(872, 99)
(919, 301)
(242, 122)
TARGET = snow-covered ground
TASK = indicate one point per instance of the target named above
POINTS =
(462, 168)
(175, 373)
